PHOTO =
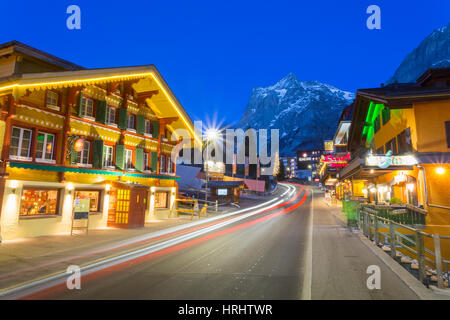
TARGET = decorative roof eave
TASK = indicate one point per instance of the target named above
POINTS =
(51, 80)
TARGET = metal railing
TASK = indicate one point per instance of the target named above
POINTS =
(404, 214)
(403, 241)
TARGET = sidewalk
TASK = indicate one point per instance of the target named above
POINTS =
(369, 251)
(26, 259)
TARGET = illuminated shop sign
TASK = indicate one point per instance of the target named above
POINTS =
(389, 160)
(336, 162)
(328, 146)
(222, 192)
(305, 159)
(214, 167)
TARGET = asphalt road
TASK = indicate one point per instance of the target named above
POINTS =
(296, 250)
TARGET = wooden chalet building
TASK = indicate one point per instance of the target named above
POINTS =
(70, 133)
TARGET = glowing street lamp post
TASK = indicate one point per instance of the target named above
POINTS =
(211, 135)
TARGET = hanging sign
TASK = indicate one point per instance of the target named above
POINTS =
(335, 162)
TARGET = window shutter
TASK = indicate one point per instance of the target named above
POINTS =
(101, 111)
(98, 154)
(154, 161)
(140, 124)
(80, 102)
(120, 156)
(122, 122)
(139, 159)
(73, 156)
(155, 129)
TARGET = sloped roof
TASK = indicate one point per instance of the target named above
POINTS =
(39, 54)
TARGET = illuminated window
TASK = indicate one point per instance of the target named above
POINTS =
(20, 144)
(161, 200)
(123, 205)
(44, 146)
(93, 196)
(83, 155)
(52, 100)
(39, 202)
(87, 107)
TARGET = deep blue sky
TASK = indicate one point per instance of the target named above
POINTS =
(212, 53)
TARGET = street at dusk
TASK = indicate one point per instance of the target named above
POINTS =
(225, 160)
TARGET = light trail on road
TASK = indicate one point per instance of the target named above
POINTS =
(158, 235)
(41, 288)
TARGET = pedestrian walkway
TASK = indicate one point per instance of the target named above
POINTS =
(340, 261)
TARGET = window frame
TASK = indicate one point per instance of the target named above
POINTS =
(52, 106)
(148, 134)
(130, 166)
(162, 164)
(133, 129)
(19, 145)
(100, 198)
(81, 153)
(106, 147)
(47, 215)
(84, 108)
(44, 152)
(166, 206)
(145, 160)
(111, 110)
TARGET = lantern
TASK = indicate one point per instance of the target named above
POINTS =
(78, 145)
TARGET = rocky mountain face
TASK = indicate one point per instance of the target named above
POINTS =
(305, 112)
(432, 52)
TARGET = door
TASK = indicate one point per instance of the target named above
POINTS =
(138, 205)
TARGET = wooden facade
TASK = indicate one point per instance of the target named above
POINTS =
(84, 129)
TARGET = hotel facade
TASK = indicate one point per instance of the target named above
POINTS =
(72, 136)
(399, 140)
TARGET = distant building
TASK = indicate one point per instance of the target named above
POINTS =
(307, 163)
(290, 167)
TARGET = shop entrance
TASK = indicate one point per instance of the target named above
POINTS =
(127, 205)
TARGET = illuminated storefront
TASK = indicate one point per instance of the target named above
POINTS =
(400, 139)
(74, 135)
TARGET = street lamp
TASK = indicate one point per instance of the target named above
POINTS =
(211, 135)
